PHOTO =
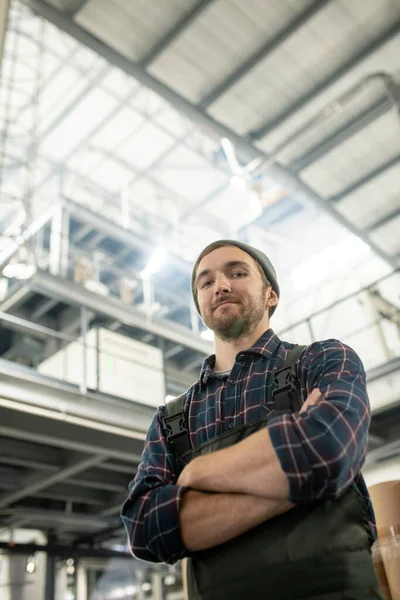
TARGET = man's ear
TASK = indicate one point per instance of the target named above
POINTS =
(272, 298)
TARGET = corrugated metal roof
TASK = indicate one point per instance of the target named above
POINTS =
(132, 28)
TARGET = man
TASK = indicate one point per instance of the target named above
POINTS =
(265, 505)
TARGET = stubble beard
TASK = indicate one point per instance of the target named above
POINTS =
(228, 326)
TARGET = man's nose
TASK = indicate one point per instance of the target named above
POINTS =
(222, 284)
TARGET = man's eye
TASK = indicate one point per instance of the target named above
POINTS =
(206, 284)
(239, 274)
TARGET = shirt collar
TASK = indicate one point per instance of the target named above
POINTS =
(265, 346)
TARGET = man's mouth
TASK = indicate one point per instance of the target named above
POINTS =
(224, 303)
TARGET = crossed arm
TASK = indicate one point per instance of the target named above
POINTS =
(233, 490)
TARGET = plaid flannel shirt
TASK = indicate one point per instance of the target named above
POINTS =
(321, 451)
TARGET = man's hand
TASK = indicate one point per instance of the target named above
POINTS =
(312, 399)
(192, 474)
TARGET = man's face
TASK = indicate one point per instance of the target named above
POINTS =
(231, 292)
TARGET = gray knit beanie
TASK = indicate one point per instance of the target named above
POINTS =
(259, 256)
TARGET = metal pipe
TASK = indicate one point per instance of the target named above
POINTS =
(84, 330)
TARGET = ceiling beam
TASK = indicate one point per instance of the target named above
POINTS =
(365, 179)
(354, 61)
(261, 54)
(15, 298)
(179, 27)
(33, 456)
(30, 426)
(36, 482)
(384, 220)
(63, 551)
(44, 307)
(74, 6)
(341, 135)
(65, 492)
(294, 185)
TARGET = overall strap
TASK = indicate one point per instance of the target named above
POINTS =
(285, 392)
(286, 386)
(175, 426)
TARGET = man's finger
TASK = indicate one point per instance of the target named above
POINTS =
(312, 399)
(314, 396)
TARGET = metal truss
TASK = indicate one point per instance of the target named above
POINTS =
(287, 178)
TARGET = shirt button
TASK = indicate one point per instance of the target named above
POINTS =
(231, 425)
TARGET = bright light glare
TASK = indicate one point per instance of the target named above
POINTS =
(329, 261)
(238, 183)
(207, 334)
(30, 565)
(168, 398)
(18, 271)
(130, 590)
(155, 263)
(146, 587)
(170, 580)
(117, 593)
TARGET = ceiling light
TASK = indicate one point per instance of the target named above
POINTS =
(18, 271)
(21, 266)
(30, 565)
(170, 579)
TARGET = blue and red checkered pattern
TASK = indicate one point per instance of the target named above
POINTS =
(321, 450)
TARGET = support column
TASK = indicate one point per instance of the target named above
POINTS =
(82, 584)
(4, 6)
(59, 243)
(49, 591)
(157, 586)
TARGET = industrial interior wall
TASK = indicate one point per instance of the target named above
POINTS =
(4, 6)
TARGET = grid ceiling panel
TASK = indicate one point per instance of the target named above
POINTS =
(147, 197)
(144, 147)
(242, 206)
(110, 175)
(191, 176)
(118, 83)
(58, 94)
(93, 109)
(353, 159)
(113, 131)
(52, 40)
(131, 28)
(220, 40)
(373, 201)
(301, 63)
(170, 120)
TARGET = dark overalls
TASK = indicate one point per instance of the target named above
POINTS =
(319, 550)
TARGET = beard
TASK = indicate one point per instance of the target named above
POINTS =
(231, 323)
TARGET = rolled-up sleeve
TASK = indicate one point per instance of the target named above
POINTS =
(151, 512)
(323, 449)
